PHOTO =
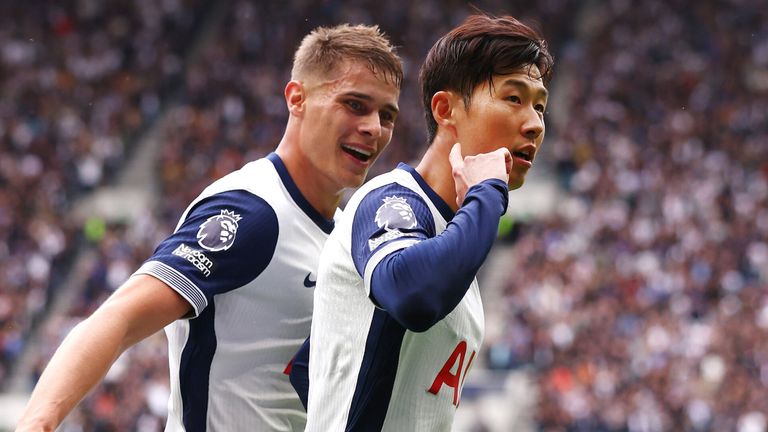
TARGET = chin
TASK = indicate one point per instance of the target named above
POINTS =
(354, 181)
(515, 184)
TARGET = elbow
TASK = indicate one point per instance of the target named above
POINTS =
(415, 300)
(416, 313)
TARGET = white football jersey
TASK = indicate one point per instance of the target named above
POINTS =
(244, 255)
(367, 372)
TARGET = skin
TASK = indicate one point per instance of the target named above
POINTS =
(503, 121)
(350, 106)
(140, 307)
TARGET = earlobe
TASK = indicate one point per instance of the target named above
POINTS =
(295, 96)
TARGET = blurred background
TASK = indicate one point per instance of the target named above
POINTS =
(627, 291)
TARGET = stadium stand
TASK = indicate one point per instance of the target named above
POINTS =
(640, 304)
(637, 304)
(79, 82)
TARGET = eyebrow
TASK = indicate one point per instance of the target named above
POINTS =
(540, 92)
(368, 98)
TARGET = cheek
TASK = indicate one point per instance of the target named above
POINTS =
(491, 122)
(500, 121)
(386, 136)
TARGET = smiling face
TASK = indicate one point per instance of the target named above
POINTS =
(509, 113)
(348, 120)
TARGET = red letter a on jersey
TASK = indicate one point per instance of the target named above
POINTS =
(452, 379)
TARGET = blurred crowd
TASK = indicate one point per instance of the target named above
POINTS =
(79, 81)
(639, 305)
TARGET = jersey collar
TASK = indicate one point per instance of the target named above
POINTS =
(441, 205)
(324, 224)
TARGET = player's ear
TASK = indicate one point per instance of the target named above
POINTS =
(444, 106)
(295, 96)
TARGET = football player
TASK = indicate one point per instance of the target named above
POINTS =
(233, 284)
(398, 317)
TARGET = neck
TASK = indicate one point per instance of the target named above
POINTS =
(315, 188)
(436, 170)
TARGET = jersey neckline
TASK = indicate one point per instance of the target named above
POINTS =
(441, 205)
(324, 224)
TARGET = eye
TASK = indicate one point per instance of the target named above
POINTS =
(540, 108)
(355, 105)
(387, 117)
(514, 99)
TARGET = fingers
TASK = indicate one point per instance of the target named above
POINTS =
(455, 157)
(508, 161)
(471, 170)
(457, 170)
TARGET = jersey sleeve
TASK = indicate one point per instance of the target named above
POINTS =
(225, 241)
(418, 286)
(389, 218)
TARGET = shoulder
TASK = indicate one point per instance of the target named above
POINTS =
(257, 177)
(373, 193)
(392, 206)
(225, 217)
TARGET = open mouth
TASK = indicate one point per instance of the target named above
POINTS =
(524, 155)
(359, 154)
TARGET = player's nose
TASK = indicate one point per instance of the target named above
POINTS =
(370, 125)
(533, 124)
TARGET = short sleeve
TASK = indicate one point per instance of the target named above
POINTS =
(225, 241)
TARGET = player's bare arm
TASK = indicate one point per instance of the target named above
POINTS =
(139, 308)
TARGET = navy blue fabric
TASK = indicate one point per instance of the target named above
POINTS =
(376, 378)
(423, 283)
(365, 228)
(195, 368)
(325, 224)
(299, 375)
(223, 270)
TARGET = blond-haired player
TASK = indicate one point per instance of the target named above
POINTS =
(233, 284)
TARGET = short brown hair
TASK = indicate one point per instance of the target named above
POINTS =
(481, 47)
(326, 47)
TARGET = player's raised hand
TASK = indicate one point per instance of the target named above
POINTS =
(471, 170)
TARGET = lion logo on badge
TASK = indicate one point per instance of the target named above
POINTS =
(395, 214)
(218, 232)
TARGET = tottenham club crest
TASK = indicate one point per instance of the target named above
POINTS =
(395, 214)
(218, 232)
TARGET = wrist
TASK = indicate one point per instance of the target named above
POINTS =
(35, 425)
(486, 188)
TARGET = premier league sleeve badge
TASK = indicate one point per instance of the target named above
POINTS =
(393, 216)
(218, 232)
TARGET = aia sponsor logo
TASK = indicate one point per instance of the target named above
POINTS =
(453, 372)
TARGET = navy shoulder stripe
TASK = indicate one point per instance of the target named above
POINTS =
(226, 241)
(388, 213)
